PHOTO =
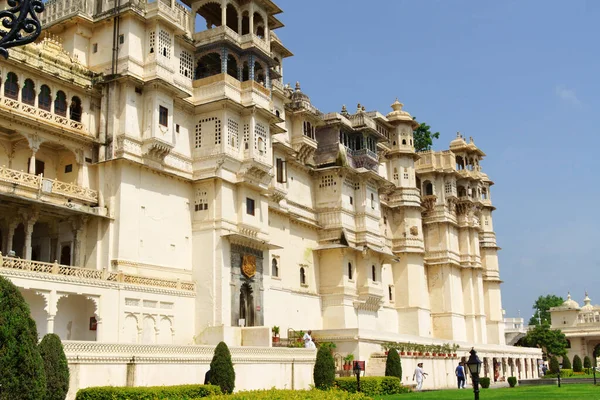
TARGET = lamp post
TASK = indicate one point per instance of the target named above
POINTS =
(22, 24)
(357, 373)
(474, 364)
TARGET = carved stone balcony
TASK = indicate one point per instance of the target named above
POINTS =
(54, 271)
(429, 202)
(46, 118)
(156, 149)
(364, 158)
(225, 34)
(305, 147)
(177, 16)
(223, 86)
(38, 188)
(370, 297)
(277, 192)
(56, 10)
(362, 122)
(403, 197)
(159, 68)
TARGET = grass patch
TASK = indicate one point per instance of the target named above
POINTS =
(567, 392)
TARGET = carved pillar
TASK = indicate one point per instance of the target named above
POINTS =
(224, 12)
(34, 145)
(32, 162)
(12, 226)
(78, 225)
(97, 315)
(251, 17)
(224, 54)
(29, 224)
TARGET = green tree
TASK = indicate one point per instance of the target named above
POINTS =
(21, 367)
(566, 364)
(324, 372)
(423, 138)
(222, 373)
(542, 308)
(56, 367)
(393, 365)
(577, 366)
(554, 366)
(551, 341)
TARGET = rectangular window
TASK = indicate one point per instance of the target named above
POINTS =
(249, 206)
(95, 48)
(391, 293)
(121, 39)
(177, 128)
(281, 170)
(163, 116)
(68, 168)
(351, 200)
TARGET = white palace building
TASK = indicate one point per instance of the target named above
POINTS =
(162, 190)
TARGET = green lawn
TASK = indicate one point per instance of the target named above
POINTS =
(566, 392)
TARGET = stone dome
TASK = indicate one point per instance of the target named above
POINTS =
(588, 304)
(570, 303)
(400, 115)
(458, 142)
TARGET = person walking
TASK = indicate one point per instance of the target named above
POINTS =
(419, 374)
(308, 341)
(460, 375)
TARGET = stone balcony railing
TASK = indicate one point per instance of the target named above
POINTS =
(43, 116)
(55, 269)
(223, 86)
(177, 15)
(362, 121)
(61, 9)
(225, 33)
(40, 185)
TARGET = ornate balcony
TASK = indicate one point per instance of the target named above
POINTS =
(177, 16)
(36, 187)
(364, 158)
(54, 271)
(225, 34)
(224, 86)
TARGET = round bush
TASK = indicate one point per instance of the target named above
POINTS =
(587, 363)
(485, 382)
(566, 363)
(577, 365)
(554, 366)
(21, 368)
(324, 372)
(393, 365)
(512, 381)
(55, 366)
(222, 373)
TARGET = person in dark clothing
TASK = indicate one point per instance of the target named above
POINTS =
(207, 378)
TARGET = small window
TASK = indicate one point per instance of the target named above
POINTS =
(68, 168)
(274, 268)
(121, 39)
(249, 206)
(390, 293)
(163, 116)
(372, 201)
(302, 276)
(351, 200)
(281, 170)
(177, 128)
(350, 271)
(95, 48)
(374, 273)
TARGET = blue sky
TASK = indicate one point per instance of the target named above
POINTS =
(521, 77)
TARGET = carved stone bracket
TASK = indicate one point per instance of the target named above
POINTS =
(156, 149)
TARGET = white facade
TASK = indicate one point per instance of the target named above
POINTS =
(173, 192)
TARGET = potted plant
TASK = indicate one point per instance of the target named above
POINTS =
(300, 336)
(348, 362)
(402, 347)
(275, 334)
(385, 347)
(329, 345)
(420, 349)
(427, 350)
(409, 348)
(454, 349)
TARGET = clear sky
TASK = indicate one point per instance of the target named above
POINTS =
(521, 77)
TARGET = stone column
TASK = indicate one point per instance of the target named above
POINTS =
(12, 226)
(50, 323)
(99, 330)
(224, 12)
(32, 162)
(28, 234)
(251, 17)
(78, 225)
(224, 54)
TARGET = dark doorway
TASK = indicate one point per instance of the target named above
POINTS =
(19, 241)
(65, 255)
(247, 304)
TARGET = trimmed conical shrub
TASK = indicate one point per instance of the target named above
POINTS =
(587, 362)
(566, 364)
(222, 373)
(324, 372)
(554, 367)
(393, 365)
(577, 365)
(56, 367)
(21, 367)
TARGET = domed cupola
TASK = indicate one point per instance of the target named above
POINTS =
(570, 303)
(588, 304)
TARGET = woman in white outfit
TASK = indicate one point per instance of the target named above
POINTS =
(308, 342)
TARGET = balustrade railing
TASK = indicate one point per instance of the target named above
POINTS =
(40, 114)
(92, 274)
(48, 185)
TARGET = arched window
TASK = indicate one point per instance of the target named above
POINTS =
(245, 23)
(277, 113)
(75, 109)
(208, 65)
(350, 271)
(261, 145)
(404, 141)
(274, 268)
(45, 100)
(428, 188)
(11, 86)
(277, 64)
(259, 25)
(232, 67)
(209, 15)
(28, 92)
(259, 73)
(302, 276)
(232, 18)
(462, 192)
(373, 273)
(60, 104)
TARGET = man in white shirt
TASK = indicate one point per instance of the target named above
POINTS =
(308, 342)
(420, 375)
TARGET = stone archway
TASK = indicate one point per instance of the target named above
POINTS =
(130, 329)
(76, 318)
(37, 307)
